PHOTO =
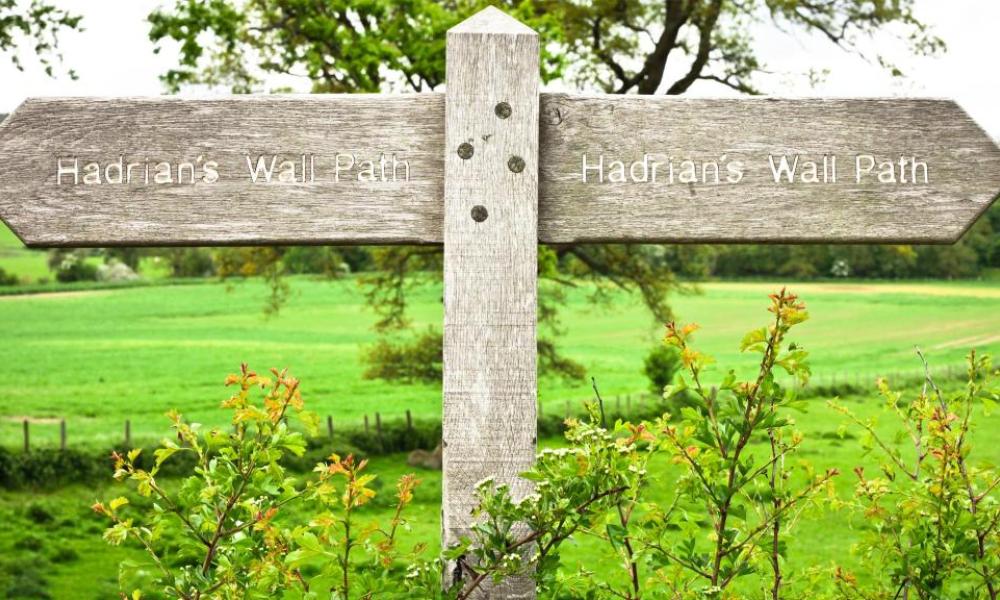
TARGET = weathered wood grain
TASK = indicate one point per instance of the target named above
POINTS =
(232, 210)
(964, 170)
(490, 268)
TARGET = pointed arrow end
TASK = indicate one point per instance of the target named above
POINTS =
(492, 20)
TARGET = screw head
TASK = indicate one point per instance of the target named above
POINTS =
(515, 164)
(502, 110)
(479, 213)
(465, 150)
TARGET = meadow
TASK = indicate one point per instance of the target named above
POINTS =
(98, 357)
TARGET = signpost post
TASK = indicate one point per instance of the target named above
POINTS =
(489, 169)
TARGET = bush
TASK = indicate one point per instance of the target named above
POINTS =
(314, 260)
(419, 360)
(660, 366)
(70, 266)
(933, 511)
(7, 279)
(191, 262)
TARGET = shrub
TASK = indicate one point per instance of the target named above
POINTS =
(419, 360)
(70, 266)
(933, 513)
(660, 366)
(7, 279)
(314, 260)
(228, 517)
(190, 262)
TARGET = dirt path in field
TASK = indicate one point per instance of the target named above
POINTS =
(54, 295)
(916, 289)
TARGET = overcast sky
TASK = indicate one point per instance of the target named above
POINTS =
(114, 57)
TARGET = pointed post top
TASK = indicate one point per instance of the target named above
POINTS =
(492, 20)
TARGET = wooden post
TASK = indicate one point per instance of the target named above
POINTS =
(628, 405)
(409, 421)
(128, 432)
(62, 434)
(490, 268)
(366, 424)
(567, 409)
(329, 426)
(27, 442)
(378, 430)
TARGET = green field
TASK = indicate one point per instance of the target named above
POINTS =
(98, 357)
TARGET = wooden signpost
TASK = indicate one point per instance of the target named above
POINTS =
(489, 169)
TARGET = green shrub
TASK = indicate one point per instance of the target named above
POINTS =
(314, 260)
(660, 366)
(933, 512)
(7, 279)
(417, 360)
(74, 267)
(190, 262)
(233, 538)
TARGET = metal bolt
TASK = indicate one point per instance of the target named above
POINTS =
(479, 213)
(465, 150)
(515, 164)
(502, 110)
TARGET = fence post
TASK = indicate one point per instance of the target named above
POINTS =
(409, 421)
(27, 443)
(329, 426)
(378, 431)
(567, 409)
(62, 434)
(128, 432)
(366, 424)
(490, 269)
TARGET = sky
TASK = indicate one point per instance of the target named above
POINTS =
(114, 57)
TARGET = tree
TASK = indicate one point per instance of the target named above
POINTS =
(619, 46)
(36, 25)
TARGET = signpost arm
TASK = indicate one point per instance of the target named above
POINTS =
(490, 268)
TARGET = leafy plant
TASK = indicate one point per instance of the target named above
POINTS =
(660, 366)
(223, 532)
(933, 513)
(598, 487)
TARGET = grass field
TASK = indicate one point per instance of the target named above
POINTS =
(98, 357)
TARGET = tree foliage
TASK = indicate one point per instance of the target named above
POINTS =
(36, 26)
(619, 46)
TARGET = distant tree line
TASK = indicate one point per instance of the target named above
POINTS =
(973, 256)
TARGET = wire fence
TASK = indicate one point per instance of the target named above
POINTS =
(856, 382)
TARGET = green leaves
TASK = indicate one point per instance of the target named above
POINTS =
(931, 515)
(224, 531)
